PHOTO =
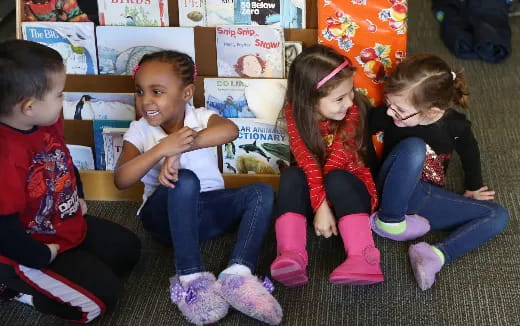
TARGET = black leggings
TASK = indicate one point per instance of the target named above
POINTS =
(347, 194)
(81, 283)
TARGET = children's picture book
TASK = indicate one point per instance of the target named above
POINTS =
(74, 41)
(113, 145)
(99, 142)
(53, 10)
(121, 47)
(250, 51)
(82, 156)
(292, 49)
(259, 149)
(133, 13)
(293, 13)
(98, 106)
(220, 12)
(192, 13)
(246, 97)
(258, 12)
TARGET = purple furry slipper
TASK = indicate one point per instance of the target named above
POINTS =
(198, 300)
(425, 264)
(250, 296)
(416, 226)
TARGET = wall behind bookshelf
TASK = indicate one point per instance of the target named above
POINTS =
(98, 185)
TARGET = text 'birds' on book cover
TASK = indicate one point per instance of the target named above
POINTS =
(133, 13)
(259, 149)
(74, 41)
(250, 51)
(245, 97)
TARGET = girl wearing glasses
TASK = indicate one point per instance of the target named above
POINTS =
(421, 132)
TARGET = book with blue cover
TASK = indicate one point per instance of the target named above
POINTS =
(258, 12)
(74, 41)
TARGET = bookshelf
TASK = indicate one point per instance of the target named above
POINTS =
(99, 185)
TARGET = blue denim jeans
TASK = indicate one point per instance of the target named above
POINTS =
(184, 216)
(472, 222)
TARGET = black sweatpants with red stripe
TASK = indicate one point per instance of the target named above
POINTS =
(84, 282)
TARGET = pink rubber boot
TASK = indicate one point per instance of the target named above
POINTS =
(362, 264)
(289, 268)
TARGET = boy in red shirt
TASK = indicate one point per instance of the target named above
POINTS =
(52, 255)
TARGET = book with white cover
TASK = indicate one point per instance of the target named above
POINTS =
(98, 106)
(192, 13)
(74, 41)
(133, 13)
(82, 156)
(121, 47)
(250, 51)
(246, 97)
(220, 12)
(260, 148)
(113, 145)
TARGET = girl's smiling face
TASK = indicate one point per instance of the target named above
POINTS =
(334, 106)
(160, 96)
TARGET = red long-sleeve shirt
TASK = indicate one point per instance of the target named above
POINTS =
(337, 157)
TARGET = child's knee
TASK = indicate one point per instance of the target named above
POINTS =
(187, 181)
(414, 148)
(293, 177)
(500, 219)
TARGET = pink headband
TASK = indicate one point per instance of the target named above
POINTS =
(333, 73)
(135, 70)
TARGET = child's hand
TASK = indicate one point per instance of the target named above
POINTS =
(324, 221)
(169, 171)
(480, 194)
(83, 205)
(54, 248)
(178, 142)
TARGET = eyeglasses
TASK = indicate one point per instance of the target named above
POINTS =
(399, 117)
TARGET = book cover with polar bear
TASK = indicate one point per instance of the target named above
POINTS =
(74, 41)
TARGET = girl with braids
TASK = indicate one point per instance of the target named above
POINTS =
(331, 184)
(169, 150)
(420, 133)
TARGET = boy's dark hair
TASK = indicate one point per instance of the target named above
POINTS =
(307, 69)
(182, 64)
(26, 70)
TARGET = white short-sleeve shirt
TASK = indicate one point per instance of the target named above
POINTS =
(203, 162)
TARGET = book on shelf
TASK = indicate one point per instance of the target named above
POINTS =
(245, 97)
(260, 148)
(250, 51)
(113, 145)
(99, 140)
(293, 13)
(292, 49)
(82, 156)
(121, 47)
(133, 13)
(220, 12)
(74, 41)
(98, 106)
(192, 13)
(257, 12)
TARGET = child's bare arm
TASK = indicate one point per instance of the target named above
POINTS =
(132, 165)
(219, 131)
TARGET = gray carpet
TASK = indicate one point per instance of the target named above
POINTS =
(482, 288)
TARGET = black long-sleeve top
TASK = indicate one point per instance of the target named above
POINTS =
(451, 132)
